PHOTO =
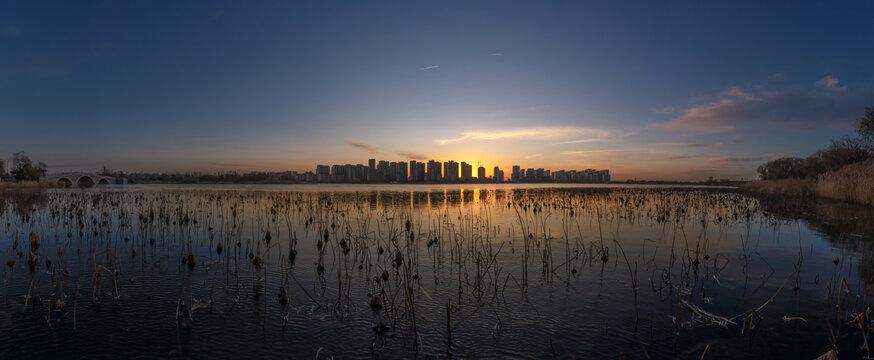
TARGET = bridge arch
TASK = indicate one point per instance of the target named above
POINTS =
(85, 181)
(79, 179)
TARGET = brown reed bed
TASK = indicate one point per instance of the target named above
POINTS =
(852, 183)
(29, 185)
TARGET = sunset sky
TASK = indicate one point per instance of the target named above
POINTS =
(649, 90)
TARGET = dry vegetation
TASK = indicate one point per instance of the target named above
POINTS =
(28, 185)
(854, 183)
(424, 272)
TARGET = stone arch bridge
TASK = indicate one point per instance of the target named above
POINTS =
(80, 179)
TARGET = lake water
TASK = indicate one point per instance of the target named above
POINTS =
(500, 270)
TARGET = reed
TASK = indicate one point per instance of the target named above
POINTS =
(339, 253)
(853, 183)
(28, 185)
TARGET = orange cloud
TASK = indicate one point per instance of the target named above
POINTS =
(547, 132)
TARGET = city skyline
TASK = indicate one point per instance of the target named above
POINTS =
(378, 171)
(680, 91)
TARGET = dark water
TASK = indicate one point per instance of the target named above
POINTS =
(525, 272)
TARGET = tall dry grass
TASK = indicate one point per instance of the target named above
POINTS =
(791, 187)
(853, 183)
(28, 185)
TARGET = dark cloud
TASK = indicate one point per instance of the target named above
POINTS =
(412, 155)
(732, 160)
(364, 147)
(736, 109)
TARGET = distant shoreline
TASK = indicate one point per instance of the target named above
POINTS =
(29, 185)
(281, 182)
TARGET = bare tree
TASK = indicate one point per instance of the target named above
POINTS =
(23, 168)
(866, 127)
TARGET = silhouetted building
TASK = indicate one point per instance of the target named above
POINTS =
(417, 171)
(323, 173)
(402, 171)
(412, 177)
(498, 176)
(434, 171)
(450, 171)
(466, 171)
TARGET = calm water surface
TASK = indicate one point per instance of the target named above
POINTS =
(360, 271)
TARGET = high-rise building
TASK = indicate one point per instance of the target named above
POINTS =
(418, 172)
(371, 170)
(403, 170)
(434, 171)
(361, 172)
(383, 171)
(450, 171)
(498, 175)
(412, 170)
(350, 173)
(481, 173)
(466, 171)
(392, 172)
(323, 173)
(338, 173)
(516, 176)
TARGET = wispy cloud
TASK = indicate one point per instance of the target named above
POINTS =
(682, 157)
(364, 147)
(584, 152)
(738, 93)
(736, 109)
(546, 132)
(495, 54)
(579, 141)
(412, 155)
(830, 83)
(432, 67)
(532, 156)
(743, 159)
(700, 145)
(731, 160)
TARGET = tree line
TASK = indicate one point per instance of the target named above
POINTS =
(22, 169)
(842, 152)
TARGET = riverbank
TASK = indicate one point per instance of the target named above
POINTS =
(853, 183)
(28, 185)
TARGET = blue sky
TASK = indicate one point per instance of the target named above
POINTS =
(679, 90)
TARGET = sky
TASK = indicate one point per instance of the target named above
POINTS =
(678, 90)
